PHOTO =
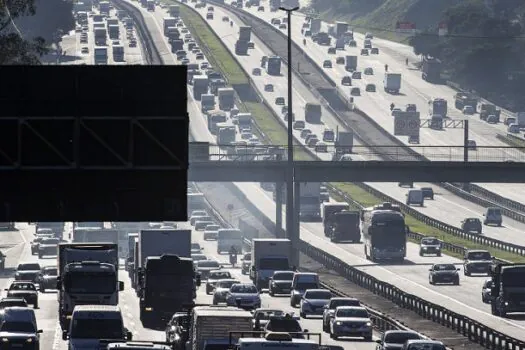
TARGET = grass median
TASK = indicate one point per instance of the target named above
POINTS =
(276, 133)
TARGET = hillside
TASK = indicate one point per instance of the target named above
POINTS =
(485, 48)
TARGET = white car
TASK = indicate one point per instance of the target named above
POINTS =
(351, 321)
(211, 232)
(468, 110)
(222, 288)
(314, 301)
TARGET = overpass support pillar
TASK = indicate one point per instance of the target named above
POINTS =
(295, 234)
(279, 210)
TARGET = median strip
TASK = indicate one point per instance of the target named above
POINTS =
(276, 133)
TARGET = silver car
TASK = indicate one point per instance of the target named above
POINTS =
(244, 295)
(351, 321)
(222, 288)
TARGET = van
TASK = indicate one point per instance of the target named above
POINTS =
(19, 328)
(415, 196)
(228, 237)
(300, 283)
(90, 323)
(493, 216)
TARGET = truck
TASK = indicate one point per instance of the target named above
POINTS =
(7, 225)
(210, 326)
(392, 82)
(315, 25)
(520, 119)
(312, 113)
(167, 23)
(172, 33)
(217, 84)
(100, 36)
(340, 29)
(438, 106)
(327, 212)
(367, 44)
(150, 6)
(121, 14)
(114, 32)
(323, 38)
(87, 274)
(273, 66)
(215, 118)
(431, 69)
(245, 33)
(345, 226)
(350, 63)
(344, 143)
(174, 11)
(56, 227)
(101, 55)
(226, 98)
(87, 235)
(128, 264)
(200, 86)
(118, 53)
(111, 22)
(176, 45)
(269, 255)
(487, 109)
(274, 5)
(241, 47)
(207, 102)
(103, 7)
(507, 293)
(144, 3)
(310, 200)
(226, 134)
(463, 99)
(244, 121)
(340, 43)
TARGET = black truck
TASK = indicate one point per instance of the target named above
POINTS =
(431, 69)
(340, 223)
(507, 293)
(167, 285)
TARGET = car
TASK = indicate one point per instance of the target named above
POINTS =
(395, 111)
(395, 339)
(209, 15)
(374, 51)
(280, 283)
(44, 231)
(305, 133)
(321, 147)
(410, 107)
(268, 87)
(493, 216)
(198, 257)
(472, 225)
(18, 328)
(225, 19)
(213, 277)
(364, 52)
(351, 321)
(286, 116)
(332, 50)
(200, 225)
(197, 214)
(27, 272)
(493, 119)
(115, 42)
(25, 290)
(222, 287)
(477, 262)
(47, 279)
(346, 81)
(244, 295)
(211, 231)
(327, 64)
(406, 184)
(428, 192)
(262, 316)
(85, 50)
(299, 125)
(260, 9)
(340, 60)
(196, 248)
(430, 246)
(486, 291)
(314, 301)
(280, 101)
(256, 71)
(287, 323)
(36, 242)
(413, 139)
(423, 344)
(352, 43)
(12, 302)
(84, 40)
(355, 91)
(356, 75)
(177, 329)
(345, 158)
(311, 140)
(246, 262)
(199, 56)
(204, 267)
(283, 26)
(204, 65)
(329, 309)
(185, 61)
(443, 273)
(472, 145)
(369, 71)
(468, 110)
(370, 87)
(48, 246)
(133, 43)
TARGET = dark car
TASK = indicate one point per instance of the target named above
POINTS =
(428, 192)
(374, 51)
(177, 329)
(430, 246)
(406, 184)
(48, 246)
(472, 225)
(486, 291)
(443, 273)
(280, 283)
(215, 276)
(395, 339)
(286, 324)
(47, 279)
(10, 302)
(25, 290)
(27, 272)
(246, 262)
(204, 267)
(477, 261)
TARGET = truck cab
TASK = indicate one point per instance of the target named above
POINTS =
(508, 289)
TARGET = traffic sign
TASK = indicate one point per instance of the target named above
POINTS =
(406, 123)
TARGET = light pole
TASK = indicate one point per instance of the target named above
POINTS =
(290, 227)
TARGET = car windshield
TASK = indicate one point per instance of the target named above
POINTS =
(426, 346)
(219, 275)
(266, 314)
(247, 256)
(195, 246)
(479, 256)
(344, 302)
(24, 327)
(198, 257)
(50, 241)
(317, 295)
(208, 263)
(226, 284)
(85, 328)
(28, 267)
(430, 241)
(212, 228)
(12, 302)
(283, 276)
(50, 271)
(22, 286)
(361, 313)
(400, 337)
(444, 267)
(244, 288)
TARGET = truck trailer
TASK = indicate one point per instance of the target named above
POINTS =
(269, 255)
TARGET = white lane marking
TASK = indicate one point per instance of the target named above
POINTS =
(57, 337)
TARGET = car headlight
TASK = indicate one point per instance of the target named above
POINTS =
(5, 340)
(339, 323)
(369, 324)
(29, 340)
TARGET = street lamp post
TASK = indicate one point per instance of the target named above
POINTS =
(290, 227)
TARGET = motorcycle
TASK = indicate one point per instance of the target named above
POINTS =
(392, 107)
(386, 67)
(304, 42)
(231, 23)
(233, 259)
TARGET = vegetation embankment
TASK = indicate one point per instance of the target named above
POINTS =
(276, 134)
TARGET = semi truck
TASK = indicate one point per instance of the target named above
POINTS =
(169, 22)
(207, 102)
(340, 29)
(431, 69)
(226, 134)
(114, 32)
(101, 55)
(241, 47)
(103, 8)
(344, 143)
(350, 63)
(100, 36)
(245, 33)
(273, 66)
(269, 255)
(210, 326)
(392, 82)
(87, 274)
(507, 292)
(315, 25)
(200, 86)
(310, 200)
(487, 109)
(226, 98)
(174, 11)
(176, 45)
(463, 99)
(312, 113)
(327, 212)
(118, 53)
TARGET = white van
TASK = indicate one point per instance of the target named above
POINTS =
(228, 237)
(300, 283)
(90, 323)
(19, 327)
(415, 196)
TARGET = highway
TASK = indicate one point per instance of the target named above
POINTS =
(446, 207)
(411, 276)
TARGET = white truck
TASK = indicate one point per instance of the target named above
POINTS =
(210, 326)
(269, 255)
(310, 200)
(392, 82)
(87, 274)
